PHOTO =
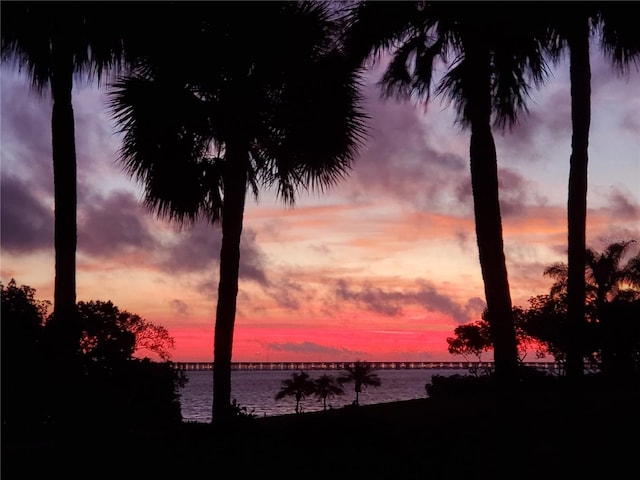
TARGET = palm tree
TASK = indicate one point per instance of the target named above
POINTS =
(604, 275)
(269, 111)
(606, 280)
(496, 56)
(571, 28)
(617, 303)
(362, 375)
(299, 386)
(607, 273)
(327, 387)
(55, 42)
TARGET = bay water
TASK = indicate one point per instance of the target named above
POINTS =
(255, 391)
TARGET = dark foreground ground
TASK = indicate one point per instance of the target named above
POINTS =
(595, 434)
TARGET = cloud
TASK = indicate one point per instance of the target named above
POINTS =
(603, 71)
(412, 158)
(400, 162)
(179, 308)
(196, 249)
(371, 298)
(310, 348)
(26, 131)
(630, 122)
(623, 205)
(475, 306)
(251, 258)
(288, 293)
(429, 297)
(27, 223)
(110, 225)
(514, 193)
(390, 303)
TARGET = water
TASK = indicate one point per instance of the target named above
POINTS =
(255, 391)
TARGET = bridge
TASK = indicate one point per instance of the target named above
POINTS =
(277, 366)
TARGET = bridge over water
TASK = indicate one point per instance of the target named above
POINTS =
(276, 366)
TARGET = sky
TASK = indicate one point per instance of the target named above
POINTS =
(381, 267)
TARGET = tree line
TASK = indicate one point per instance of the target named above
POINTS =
(110, 387)
(216, 104)
(611, 342)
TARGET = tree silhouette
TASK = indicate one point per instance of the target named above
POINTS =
(571, 29)
(613, 288)
(22, 321)
(114, 389)
(269, 112)
(470, 339)
(493, 54)
(327, 386)
(545, 321)
(56, 41)
(111, 335)
(298, 386)
(362, 375)
(605, 275)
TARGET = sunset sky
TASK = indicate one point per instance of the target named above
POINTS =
(382, 267)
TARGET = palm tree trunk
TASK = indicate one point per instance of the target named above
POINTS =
(234, 181)
(580, 75)
(488, 220)
(64, 181)
(64, 330)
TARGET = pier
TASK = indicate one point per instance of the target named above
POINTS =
(277, 366)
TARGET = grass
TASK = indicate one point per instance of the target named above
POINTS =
(543, 434)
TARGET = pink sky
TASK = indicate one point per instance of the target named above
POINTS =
(382, 267)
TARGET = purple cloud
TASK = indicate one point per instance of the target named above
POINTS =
(26, 131)
(197, 249)
(27, 223)
(288, 294)
(399, 160)
(623, 205)
(390, 303)
(310, 347)
(113, 224)
(179, 308)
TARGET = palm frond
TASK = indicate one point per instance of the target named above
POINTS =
(631, 272)
(89, 34)
(620, 36)
(371, 29)
(166, 148)
(295, 107)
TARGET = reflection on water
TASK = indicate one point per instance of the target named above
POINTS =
(256, 390)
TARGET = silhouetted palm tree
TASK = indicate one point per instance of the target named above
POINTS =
(603, 273)
(275, 105)
(326, 386)
(612, 290)
(362, 375)
(606, 271)
(298, 386)
(572, 27)
(54, 42)
(493, 53)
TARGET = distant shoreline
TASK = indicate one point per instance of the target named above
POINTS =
(400, 365)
